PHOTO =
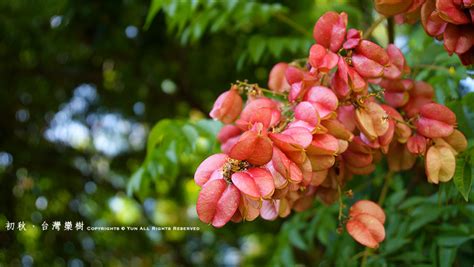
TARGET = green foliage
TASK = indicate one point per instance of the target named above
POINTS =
(174, 149)
(464, 174)
(190, 21)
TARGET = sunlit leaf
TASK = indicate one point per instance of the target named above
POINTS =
(463, 177)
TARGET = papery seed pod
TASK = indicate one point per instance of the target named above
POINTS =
(432, 22)
(227, 146)
(346, 79)
(217, 202)
(299, 136)
(284, 208)
(337, 129)
(303, 203)
(323, 144)
(321, 162)
(255, 183)
(285, 167)
(343, 146)
(435, 121)
(260, 110)
(366, 230)
(402, 130)
(397, 59)
(468, 57)
(330, 30)
(253, 146)
(367, 207)
(322, 59)
(357, 159)
(356, 81)
(237, 217)
(293, 75)
(269, 210)
(396, 92)
(307, 112)
(249, 209)
(324, 100)
(366, 170)
(366, 67)
(412, 14)
(452, 12)
(227, 106)
(299, 89)
(391, 72)
(307, 172)
(327, 195)
(458, 39)
(279, 180)
(387, 138)
(281, 193)
(227, 132)
(372, 120)
(277, 80)
(384, 141)
(440, 164)
(373, 52)
(352, 39)
(346, 115)
(421, 94)
(358, 155)
(228, 136)
(392, 7)
(399, 157)
(370, 59)
(210, 165)
(335, 177)
(457, 141)
(292, 142)
(318, 177)
(340, 79)
(272, 209)
(417, 144)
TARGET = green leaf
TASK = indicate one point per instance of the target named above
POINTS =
(135, 181)
(157, 134)
(297, 240)
(155, 7)
(424, 215)
(413, 201)
(452, 241)
(463, 177)
(256, 48)
(394, 245)
(446, 256)
(275, 45)
(396, 198)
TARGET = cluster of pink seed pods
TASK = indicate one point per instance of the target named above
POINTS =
(319, 125)
(448, 20)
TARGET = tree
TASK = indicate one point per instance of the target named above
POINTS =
(114, 73)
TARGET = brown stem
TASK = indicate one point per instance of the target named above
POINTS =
(391, 30)
(249, 87)
(341, 204)
(403, 122)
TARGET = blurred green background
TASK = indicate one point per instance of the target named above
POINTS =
(83, 85)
